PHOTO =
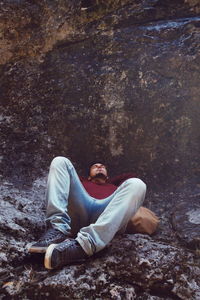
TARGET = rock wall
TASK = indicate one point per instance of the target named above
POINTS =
(119, 79)
(112, 80)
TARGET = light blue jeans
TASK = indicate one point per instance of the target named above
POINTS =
(95, 222)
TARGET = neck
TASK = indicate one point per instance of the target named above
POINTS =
(98, 180)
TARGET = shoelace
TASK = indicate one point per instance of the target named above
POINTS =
(69, 244)
(50, 234)
(71, 248)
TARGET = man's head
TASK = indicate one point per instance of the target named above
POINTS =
(98, 171)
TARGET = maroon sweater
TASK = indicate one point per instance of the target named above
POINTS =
(103, 190)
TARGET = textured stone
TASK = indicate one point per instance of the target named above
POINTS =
(132, 265)
(121, 85)
(21, 219)
(115, 80)
(186, 222)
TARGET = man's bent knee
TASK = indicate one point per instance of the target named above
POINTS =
(136, 182)
(60, 161)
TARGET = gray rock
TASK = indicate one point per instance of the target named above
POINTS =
(186, 222)
(116, 80)
(119, 80)
(131, 266)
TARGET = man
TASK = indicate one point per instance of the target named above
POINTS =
(92, 211)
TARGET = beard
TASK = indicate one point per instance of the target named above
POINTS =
(100, 175)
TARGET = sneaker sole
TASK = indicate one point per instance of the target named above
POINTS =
(33, 249)
(47, 258)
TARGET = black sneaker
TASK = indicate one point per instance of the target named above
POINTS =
(51, 236)
(63, 254)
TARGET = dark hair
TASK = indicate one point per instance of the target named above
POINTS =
(96, 161)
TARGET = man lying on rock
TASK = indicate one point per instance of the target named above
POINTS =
(91, 210)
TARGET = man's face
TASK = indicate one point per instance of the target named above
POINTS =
(98, 170)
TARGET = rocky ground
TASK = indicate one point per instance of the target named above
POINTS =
(164, 266)
(111, 79)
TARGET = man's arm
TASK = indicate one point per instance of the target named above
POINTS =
(117, 180)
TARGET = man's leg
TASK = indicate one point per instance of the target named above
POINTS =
(110, 216)
(66, 197)
(63, 188)
(114, 214)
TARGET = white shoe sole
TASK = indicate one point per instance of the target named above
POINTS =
(47, 258)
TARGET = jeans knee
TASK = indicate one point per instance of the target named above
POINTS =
(136, 182)
(59, 161)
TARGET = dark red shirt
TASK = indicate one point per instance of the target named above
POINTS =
(103, 190)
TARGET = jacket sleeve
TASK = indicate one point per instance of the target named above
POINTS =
(117, 180)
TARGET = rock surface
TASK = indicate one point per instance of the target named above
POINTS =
(186, 222)
(116, 80)
(132, 267)
(119, 79)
